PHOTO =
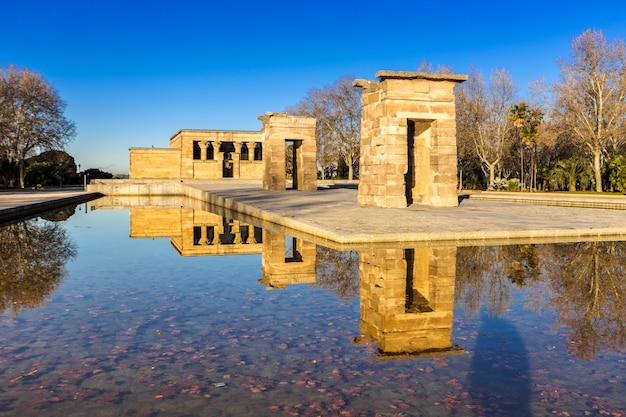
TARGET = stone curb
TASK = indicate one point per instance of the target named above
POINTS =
(24, 211)
(602, 202)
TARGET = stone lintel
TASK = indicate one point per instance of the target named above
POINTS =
(362, 83)
(406, 75)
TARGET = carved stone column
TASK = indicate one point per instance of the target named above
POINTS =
(203, 148)
(219, 156)
(235, 229)
(203, 236)
(236, 158)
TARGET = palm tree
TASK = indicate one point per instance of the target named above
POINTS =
(518, 115)
(570, 172)
(527, 120)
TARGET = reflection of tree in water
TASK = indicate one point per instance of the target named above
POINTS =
(33, 254)
(60, 215)
(338, 271)
(583, 282)
(485, 274)
(589, 289)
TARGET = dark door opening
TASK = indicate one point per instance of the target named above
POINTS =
(409, 177)
(291, 162)
(227, 164)
(415, 301)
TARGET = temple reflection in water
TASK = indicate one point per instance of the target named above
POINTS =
(407, 298)
(406, 294)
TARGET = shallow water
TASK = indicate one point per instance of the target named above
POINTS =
(122, 326)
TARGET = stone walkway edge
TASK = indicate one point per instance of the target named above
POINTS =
(479, 219)
(331, 216)
(22, 205)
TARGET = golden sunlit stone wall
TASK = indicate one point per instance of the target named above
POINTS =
(408, 139)
(180, 162)
(277, 129)
(223, 144)
(157, 163)
(390, 278)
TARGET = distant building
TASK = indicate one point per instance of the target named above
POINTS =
(201, 154)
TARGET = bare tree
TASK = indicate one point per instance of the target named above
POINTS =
(485, 275)
(590, 97)
(337, 271)
(426, 66)
(337, 108)
(31, 117)
(482, 116)
(588, 290)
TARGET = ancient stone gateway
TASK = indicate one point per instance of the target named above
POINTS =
(299, 132)
(408, 139)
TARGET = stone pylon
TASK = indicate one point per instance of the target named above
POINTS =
(408, 139)
(279, 129)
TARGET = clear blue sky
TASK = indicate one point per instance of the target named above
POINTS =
(133, 73)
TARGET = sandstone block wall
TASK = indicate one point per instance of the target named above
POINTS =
(136, 187)
(181, 160)
(226, 145)
(154, 163)
(408, 139)
(277, 129)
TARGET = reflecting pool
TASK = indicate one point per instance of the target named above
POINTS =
(182, 312)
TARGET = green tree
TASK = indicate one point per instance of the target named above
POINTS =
(95, 173)
(44, 173)
(50, 168)
(590, 97)
(65, 162)
(31, 117)
(617, 172)
(569, 173)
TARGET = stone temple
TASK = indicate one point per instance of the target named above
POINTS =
(407, 154)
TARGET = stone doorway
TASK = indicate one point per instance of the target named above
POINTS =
(417, 177)
(293, 149)
(408, 140)
(290, 149)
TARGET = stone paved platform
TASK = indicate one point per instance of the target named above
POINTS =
(333, 214)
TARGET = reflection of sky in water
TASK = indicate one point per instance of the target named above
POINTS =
(136, 329)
